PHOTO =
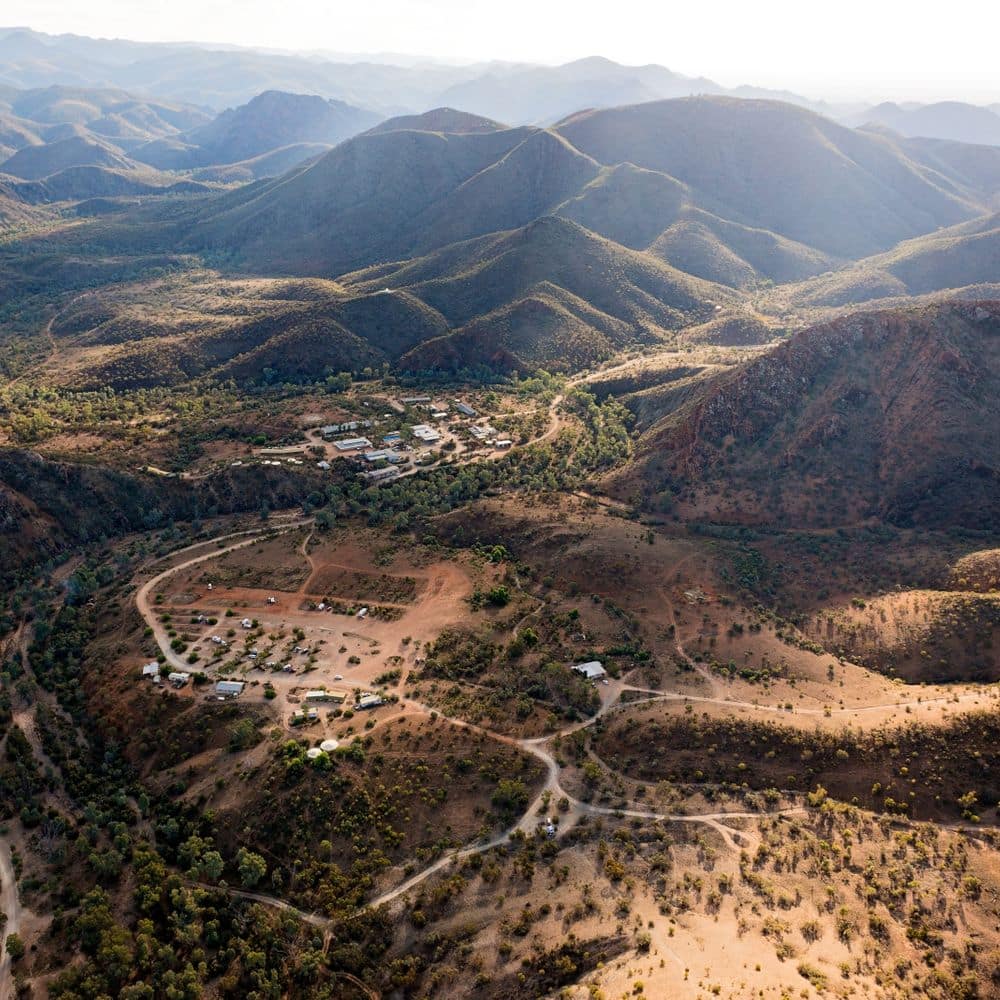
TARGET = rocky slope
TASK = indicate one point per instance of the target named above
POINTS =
(889, 414)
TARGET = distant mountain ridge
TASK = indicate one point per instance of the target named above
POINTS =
(272, 120)
(50, 130)
(226, 76)
(952, 120)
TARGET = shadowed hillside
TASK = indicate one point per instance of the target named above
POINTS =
(888, 414)
(368, 199)
(15, 213)
(49, 507)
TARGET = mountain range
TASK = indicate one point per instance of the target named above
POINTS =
(224, 76)
(52, 133)
(757, 182)
(493, 241)
(449, 240)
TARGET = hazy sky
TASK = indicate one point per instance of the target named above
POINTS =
(851, 48)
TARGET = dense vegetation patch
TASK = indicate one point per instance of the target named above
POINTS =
(947, 771)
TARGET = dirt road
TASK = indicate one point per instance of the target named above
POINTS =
(10, 905)
(149, 614)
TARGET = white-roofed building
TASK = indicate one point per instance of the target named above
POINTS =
(592, 670)
(425, 433)
(377, 475)
(352, 444)
(321, 695)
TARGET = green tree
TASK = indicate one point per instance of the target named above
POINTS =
(211, 866)
(510, 797)
(252, 867)
(15, 947)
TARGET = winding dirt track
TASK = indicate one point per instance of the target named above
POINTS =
(10, 905)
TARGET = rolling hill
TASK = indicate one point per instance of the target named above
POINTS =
(271, 164)
(15, 134)
(36, 162)
(111, 113)
(889, 414)
(439, 120)
(147, 334)
(82, 183)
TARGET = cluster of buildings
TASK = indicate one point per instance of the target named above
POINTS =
(180, 678)
(488, 435)
(425, 434)
(337, 696)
